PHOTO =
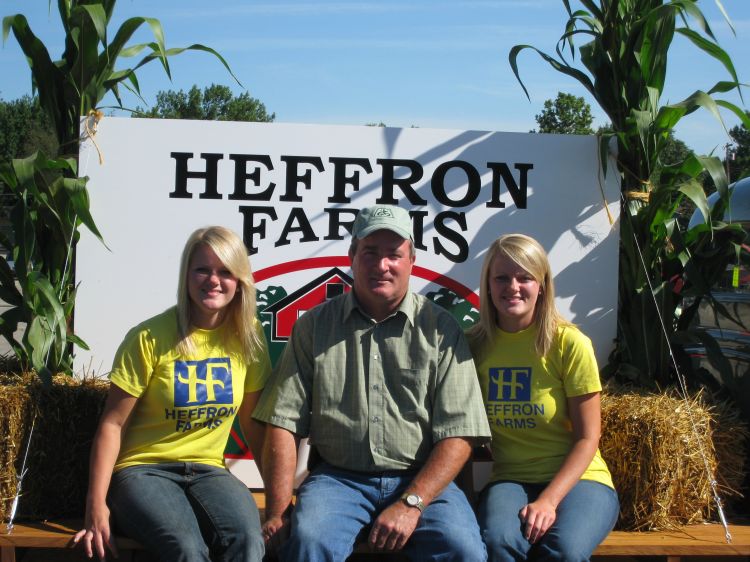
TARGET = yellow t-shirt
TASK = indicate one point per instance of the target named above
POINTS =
(525, 398)
(186, 404)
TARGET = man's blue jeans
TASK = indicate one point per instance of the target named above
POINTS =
(584, 519)
(187, 512)
(336, 507)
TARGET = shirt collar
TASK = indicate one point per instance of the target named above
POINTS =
(408, 307)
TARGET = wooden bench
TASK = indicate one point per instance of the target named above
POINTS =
(692, 540)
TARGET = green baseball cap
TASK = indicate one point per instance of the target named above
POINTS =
(382, 217)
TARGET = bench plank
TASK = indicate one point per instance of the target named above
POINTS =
(693, 540)
(59, 534)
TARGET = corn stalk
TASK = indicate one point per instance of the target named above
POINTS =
(623, 65)
(51, 201)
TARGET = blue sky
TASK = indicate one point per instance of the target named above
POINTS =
(429, 63)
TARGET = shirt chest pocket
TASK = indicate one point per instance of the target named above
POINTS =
(408, 388)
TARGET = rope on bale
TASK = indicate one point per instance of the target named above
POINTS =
(683, 388)
(19, 478)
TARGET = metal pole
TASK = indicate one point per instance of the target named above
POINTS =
(726, 160)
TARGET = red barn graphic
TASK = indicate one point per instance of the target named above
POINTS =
(284, 313)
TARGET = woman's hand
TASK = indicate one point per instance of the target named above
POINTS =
(585, 416)
(96, 535)
(537, 517)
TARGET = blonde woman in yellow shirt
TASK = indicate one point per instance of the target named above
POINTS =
(550, 496)
(177, 382)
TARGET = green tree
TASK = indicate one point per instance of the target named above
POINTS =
(567, 115)
(51, 201)
(739, 154)
(674, 151)
(623, 65)
(24, 128)
(215, 103)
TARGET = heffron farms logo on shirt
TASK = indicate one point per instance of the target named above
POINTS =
(208, 381)
(203, 394)
(509, 399)
(509, 384)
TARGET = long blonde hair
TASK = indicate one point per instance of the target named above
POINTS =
(528, 254)
(240, 318)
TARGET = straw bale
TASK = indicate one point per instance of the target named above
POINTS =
(67, 413)
(13, 401)
(660, 449)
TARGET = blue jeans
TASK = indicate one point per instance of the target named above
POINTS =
(584, 519)
(336, 507)
(186, 512)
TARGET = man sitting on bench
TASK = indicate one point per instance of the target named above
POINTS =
(382, 381)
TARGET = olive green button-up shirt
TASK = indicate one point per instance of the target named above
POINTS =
(372, 395)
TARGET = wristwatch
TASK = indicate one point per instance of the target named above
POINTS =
(413, 500)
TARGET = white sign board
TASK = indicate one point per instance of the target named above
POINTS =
(292, 192)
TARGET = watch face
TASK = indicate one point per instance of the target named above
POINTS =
(413, 500)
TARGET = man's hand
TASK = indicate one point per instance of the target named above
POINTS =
(280, 461)
(393, 527)
(537, 517)
(275, 531)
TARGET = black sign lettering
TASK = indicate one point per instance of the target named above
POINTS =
(241, 176)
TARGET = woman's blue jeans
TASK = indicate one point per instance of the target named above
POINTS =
(584, 519)
(336, 507)
(187, 512)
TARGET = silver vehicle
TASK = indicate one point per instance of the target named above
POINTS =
(732, 332)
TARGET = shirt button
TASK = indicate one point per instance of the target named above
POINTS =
(375, 356)
(375, 387)
(376, 419)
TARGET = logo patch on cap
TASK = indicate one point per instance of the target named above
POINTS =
(382, 212)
